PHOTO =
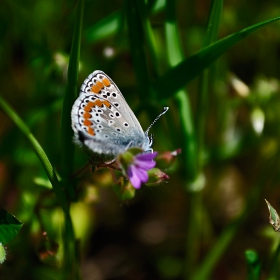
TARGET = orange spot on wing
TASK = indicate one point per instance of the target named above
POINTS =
(106, 82)
(98, 103)
(90, 131)
(90, 104)
(95, 88)
(87, 115)
(87, 122)
(87, 108)
(107, 103)
(99, 84)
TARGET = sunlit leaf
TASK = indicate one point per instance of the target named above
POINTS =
(273, 217)
(2, 254)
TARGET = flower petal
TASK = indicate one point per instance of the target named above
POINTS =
(133, 176)
(146, 165)
(146, 157)
(142, 174)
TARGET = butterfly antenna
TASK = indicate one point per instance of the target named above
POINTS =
(165, 109)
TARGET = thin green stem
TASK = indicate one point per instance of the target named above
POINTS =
(136, 41)
(202, 101)
(67, 146)
(253, 265)
(148, 34)
(71, 269)
(175, 56)
(274, 268)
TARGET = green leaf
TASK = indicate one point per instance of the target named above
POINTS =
(253, 265)
(187, 70)
(109, 25)
(9, 227)
(103, 28)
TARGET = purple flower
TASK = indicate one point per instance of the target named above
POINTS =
(137, 170)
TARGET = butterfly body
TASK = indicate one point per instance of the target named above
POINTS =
(103, 122)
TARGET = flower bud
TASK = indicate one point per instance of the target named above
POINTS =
(156, 177)
(124, 189)
(167, 158)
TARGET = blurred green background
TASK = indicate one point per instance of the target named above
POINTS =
(180, 228)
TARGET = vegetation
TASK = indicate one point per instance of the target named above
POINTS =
(216, 66)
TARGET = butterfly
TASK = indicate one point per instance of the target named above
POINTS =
(102, 120)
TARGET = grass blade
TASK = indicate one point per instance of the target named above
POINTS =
(67, 146)
(190, 68)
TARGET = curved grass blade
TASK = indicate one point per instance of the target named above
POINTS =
(195, 64)
(39, 152)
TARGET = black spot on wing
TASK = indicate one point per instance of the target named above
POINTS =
(81, 136)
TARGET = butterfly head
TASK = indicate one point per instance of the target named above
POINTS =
(148, 143)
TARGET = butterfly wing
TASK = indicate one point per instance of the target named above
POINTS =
(102, 120)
